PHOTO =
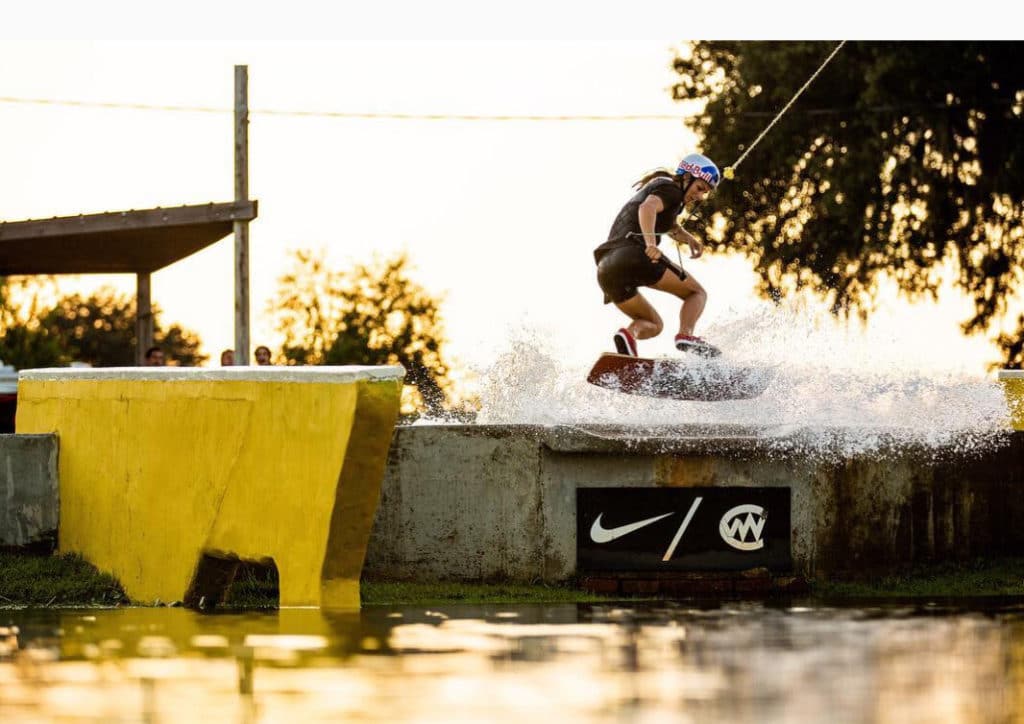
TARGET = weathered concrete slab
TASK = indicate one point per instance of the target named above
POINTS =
(459, 502)
(498, 502)
(29, 501)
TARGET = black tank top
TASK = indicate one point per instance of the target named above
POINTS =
(625, 229)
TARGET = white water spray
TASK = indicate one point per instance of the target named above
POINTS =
(835, 386)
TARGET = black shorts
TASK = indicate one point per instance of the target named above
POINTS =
(621, 271)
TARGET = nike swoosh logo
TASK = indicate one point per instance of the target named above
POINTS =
(599, 534)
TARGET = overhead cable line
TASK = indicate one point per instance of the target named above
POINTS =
(344, 114)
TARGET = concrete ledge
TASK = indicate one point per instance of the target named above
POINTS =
(29, 500)
(1013, 388)
(314, 374)
(169, 478)
(498, 502)
(783, 442)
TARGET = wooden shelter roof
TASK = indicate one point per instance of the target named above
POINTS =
(136, 241)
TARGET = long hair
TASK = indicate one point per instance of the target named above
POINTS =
(657, 173)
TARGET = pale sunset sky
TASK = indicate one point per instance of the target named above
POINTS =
(498, 217)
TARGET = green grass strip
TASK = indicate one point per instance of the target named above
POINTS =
(391, 593)
(68, 580)
(979, 577)
(55, 580)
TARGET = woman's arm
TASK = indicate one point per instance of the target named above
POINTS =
(682, 236)
(648, 216)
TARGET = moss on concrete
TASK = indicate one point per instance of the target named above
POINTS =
(388, 593)
(256, 587)
(69, 581)
(980, 577)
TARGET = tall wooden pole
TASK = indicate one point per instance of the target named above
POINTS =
(241, 228)
(143, 317)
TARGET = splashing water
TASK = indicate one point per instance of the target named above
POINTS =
(835, 387)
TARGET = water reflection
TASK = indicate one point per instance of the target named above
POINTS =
(736, 663)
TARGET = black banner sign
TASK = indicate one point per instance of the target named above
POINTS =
(682, 529)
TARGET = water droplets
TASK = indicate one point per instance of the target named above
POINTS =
(836, 389)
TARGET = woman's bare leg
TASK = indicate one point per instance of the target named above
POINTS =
(646, 321)
(691, 292)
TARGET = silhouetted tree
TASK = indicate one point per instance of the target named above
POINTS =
(98, 329)
(370, 315)
(899, 156)
(24, 341)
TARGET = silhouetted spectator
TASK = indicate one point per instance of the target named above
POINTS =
(155, 357)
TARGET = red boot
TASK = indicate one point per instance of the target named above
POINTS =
(625, 343)
(696, 345)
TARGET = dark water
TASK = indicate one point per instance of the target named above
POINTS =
(602, 663)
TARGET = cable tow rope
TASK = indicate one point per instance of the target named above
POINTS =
(730, 171)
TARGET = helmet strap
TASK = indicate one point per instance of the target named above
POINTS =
(688, 180)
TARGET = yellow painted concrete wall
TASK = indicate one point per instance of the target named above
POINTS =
(157, 468)
(1013, 386)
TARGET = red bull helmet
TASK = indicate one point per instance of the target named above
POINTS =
(700, 167)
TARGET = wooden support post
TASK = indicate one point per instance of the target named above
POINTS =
(241, 228)
(143, 317)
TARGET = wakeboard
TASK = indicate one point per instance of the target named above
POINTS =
(702, 380)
